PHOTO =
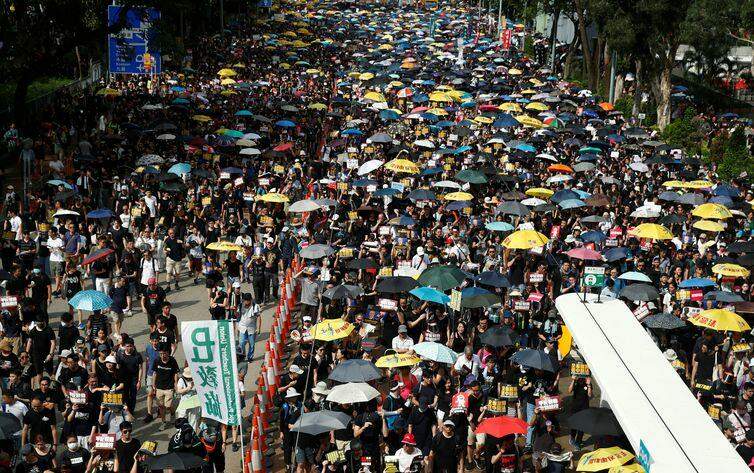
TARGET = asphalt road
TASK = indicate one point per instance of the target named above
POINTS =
(188, 303)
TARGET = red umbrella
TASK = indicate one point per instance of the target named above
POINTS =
(585, 254)
(96, 256)
(283, 147)
(501, 426)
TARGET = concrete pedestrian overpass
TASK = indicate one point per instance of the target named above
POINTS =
(654, 406)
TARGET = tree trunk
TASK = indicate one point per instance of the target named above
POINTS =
(591, 57)
(78, 61)
(661, 92)
(637, 89)
(569, 57)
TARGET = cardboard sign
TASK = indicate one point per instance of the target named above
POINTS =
(264, 181)
(353, 215)
(278, 169)
(611, 242)
(248, 197)
(580, 370)
(548, 403)
(77, 397)
(383, 230)
(224, 175)
(385, 272)
(8, 302)
(387, 304)
(112, 399)
(206, 201)
(690, 311)
(352, 163)
(238, 182)
(341, 186)
(265, 221)
(536, 277)
(459, 403)
(508, 391)
(373, 314)
(741, 347)
(641, 312)
(615, 232)
(455, 300)
(104, 442)
(521, 305)
(346, 253)
(689, 295)
(497, 406)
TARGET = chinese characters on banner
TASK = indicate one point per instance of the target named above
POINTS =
(209, 346)
(505, 38)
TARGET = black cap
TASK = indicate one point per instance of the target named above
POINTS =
(246, 296)
(126, 425)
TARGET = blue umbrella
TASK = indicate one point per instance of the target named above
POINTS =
(285, 124)
(180, 168)
(432, 171)
(593, 236)
(232, 170)
(364, 183)
(635, 276)
(244, 113)
(436, 352)
(696, 282)
(506, 120)
(180, 101)
(571, 204)
(100, 213)
(90, 300)
(177, 88)
(389, 115)
(721, 199)
(458, 205)
(422, 194)
(351, 132)
(562, 195)
(499, 226)
(430, 294)
(58, 182)
(403, 220)
(386, 192)
(614, 254)
(526, 147)
(419, 98)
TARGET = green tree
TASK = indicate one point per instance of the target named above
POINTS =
(684, 133)
(736, 158)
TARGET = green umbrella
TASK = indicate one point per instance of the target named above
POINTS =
(442, 277)
(475, 297)
(472, 176)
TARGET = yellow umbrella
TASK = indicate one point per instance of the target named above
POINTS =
(510, 107)
(528, 92)
(274, 197)
(444, 88)
(312, 71)
(331, 329)
(526, 120)
(354, 75)
(108, 92)
(375, 96)
(224, 246)
(366, 76)
(402, 165)
(458, 196)
(711, 210)
(730, 269)
(483, 120)
(201, 118)
(317, 106)
(397, 359)
(226, 73)
(719, 319)
(385, 47)
(437, 111)
(538, 106)
(632, 468)
(652, 231)
(671, 184)
(708, 226)
(440, 97)
(239, 65)
(604, 458)
(227, 81)
(698, 185)
(515, 72)
(525, 240)
(540, 192)
(228, 92)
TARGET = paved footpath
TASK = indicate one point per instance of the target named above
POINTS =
(189, 303)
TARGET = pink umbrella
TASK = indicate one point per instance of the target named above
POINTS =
(584, 254)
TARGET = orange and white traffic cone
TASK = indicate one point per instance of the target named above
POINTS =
(246, 460)
(257, 461)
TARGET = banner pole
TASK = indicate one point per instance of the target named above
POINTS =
(240, 414)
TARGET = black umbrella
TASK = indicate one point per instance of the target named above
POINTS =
(343, 291)
(663, 321)
(493, 278)
(536, 359)
(355, 371)
(513, 208)
(9, 425)
(63, 196)
(319, 422)
(396, 284)
(723, 296)
(595, 421)
(639, 292)
(362, 263)
(499, 336)
(741, 247)
(178, 461)
(746, 259)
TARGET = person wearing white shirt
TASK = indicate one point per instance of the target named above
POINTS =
(402, 343)
(420, 261)
(469, 363)
(406, 455)
(57, 259)
(151, 202)
(249, 324)
(11, 405)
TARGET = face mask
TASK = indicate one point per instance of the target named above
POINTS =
(73, 446)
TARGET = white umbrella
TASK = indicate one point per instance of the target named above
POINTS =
(352, 393)
(306, 205)
(250, 152)
(316, 251)
(424, 144)
(246, 143)
(64, 212)
(645, 212)
(369, 166)
(252, 136)
(635, 276)
(149, 159)
(559, 178)
(436, 352)
(533, 202)
(639, 167)
(448, 184)
(166, 136)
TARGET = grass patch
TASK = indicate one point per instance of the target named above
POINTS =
(36, 89)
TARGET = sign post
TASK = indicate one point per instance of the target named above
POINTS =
(594, 276)
(129, 51)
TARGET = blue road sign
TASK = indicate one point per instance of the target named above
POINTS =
(264, 4)
(132, 50)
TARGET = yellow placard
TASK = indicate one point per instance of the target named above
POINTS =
(346, 253)
(342, 186)
(353, 215)
(278, 169)
(265, 221)
(455, 300)
(386, 272)
(206, 200)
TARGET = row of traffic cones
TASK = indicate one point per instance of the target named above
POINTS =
(258, 457)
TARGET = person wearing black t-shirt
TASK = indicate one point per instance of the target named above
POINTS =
(26, 250)
(39, 421)
(73, 376)
(131, 366)
(152, 300)
(366, 428)
(233, 267)
(41, 346)
(8, 362)
(75, 457)
(176, 252)
(125, 448)
(164, 376)
(68, 332)
(444, 449)
(41, 289)
(746, 449)
(164, 335)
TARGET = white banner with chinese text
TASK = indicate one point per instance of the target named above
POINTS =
(210, 349)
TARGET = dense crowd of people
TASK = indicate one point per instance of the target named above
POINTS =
(441, 192)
